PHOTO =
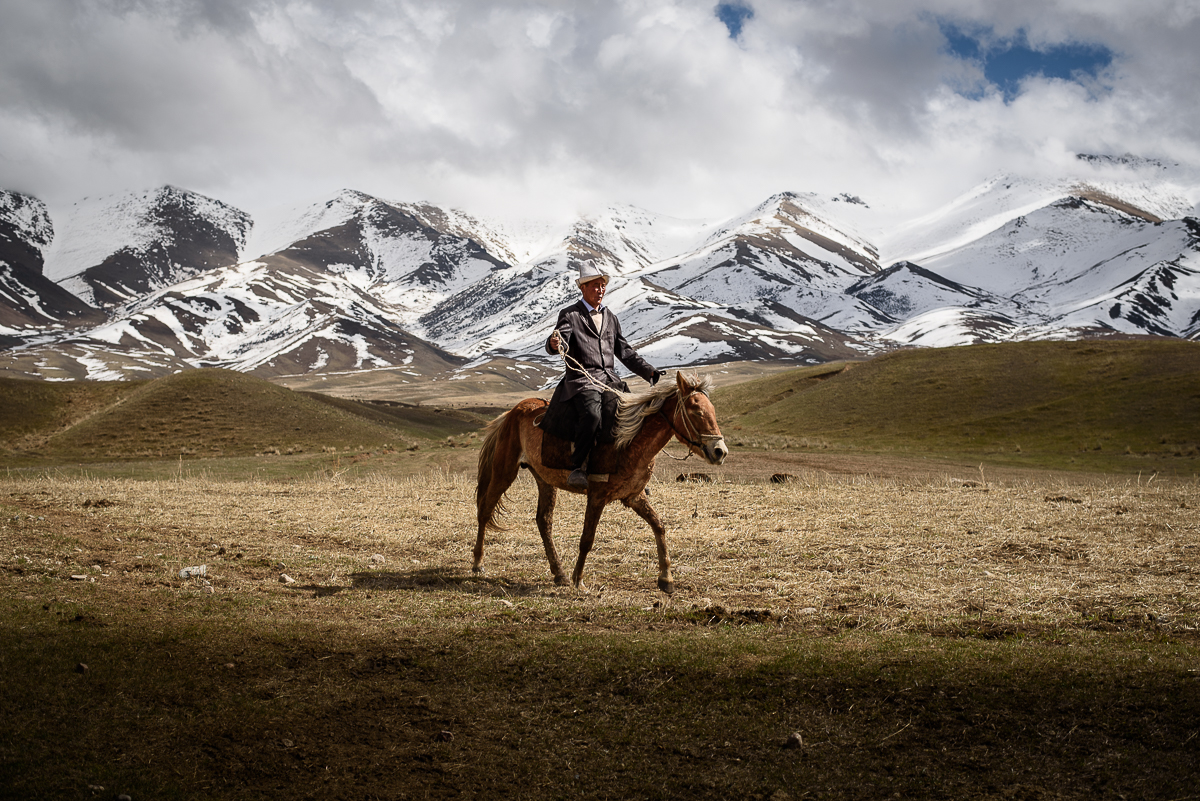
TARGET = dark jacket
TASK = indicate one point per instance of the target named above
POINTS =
(595, 351)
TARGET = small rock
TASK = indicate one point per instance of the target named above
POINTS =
(808, 610)
(284, 578)
(123, 797)
(444, 736)
(81, 668)
(194, 571)
(378, 559)
(794, 740)
(78, 577)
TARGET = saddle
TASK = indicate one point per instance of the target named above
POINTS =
(558, 436)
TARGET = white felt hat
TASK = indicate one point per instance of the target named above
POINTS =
(588, 271)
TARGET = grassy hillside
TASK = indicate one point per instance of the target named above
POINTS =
(32, 410)
(420, 421)
(200, 413)
(1127, 406)
(1100, 405)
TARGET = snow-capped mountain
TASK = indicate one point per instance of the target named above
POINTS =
(725, 298)
(167, 279)
(30, 302)
(785, 263)
(25, 230)
(114, 249)
(1076, 260)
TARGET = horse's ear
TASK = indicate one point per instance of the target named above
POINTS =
(681, 383)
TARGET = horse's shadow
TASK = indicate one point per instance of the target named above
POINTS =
(431, 579)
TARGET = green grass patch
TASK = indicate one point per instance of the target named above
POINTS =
(203, 414)
(1124, 406)
(32, 410)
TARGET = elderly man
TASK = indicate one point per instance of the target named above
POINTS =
(590, 334)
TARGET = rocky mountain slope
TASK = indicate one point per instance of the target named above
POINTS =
(29, 301)
(149, 283)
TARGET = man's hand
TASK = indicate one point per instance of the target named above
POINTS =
(657, 375)
(555, 342)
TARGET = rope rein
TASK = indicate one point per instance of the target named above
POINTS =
(571, 361)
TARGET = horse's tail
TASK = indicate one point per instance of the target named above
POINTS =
(498, 466)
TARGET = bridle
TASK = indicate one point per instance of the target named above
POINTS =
(691, 436)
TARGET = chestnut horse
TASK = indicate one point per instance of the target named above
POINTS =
(645, 424)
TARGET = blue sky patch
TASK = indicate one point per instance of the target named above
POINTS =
(1007, 62)
(734, 15)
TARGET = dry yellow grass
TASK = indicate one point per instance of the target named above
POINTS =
(822, 549)
(839, 636)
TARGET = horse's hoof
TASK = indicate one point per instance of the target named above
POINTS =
(477, 569)
(561, 581)
(666, 586)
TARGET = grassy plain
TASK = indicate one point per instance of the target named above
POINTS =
(914, 613)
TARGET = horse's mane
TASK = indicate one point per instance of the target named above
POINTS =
(635, 407)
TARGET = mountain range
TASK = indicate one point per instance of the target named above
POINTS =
(144, 284)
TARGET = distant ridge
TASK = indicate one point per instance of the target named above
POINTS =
(201, 413)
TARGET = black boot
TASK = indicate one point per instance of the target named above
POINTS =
(578, 478)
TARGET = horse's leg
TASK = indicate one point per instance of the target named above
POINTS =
(488, 497)
(591, 519)
(547, 495)
(640, 504)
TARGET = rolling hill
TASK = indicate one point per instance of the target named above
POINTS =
(1131, 405)
(1124, 406)
(196, 413)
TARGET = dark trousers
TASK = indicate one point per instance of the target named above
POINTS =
(588, 407)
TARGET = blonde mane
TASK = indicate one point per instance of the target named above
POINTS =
(635, 407)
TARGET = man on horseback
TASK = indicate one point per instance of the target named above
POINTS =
(591, 337)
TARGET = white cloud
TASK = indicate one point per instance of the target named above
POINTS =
(558, 106)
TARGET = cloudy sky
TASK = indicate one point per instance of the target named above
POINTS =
(690, 108)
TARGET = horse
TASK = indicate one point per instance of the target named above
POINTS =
(646, 422)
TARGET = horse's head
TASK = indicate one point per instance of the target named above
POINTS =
(695, 420)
